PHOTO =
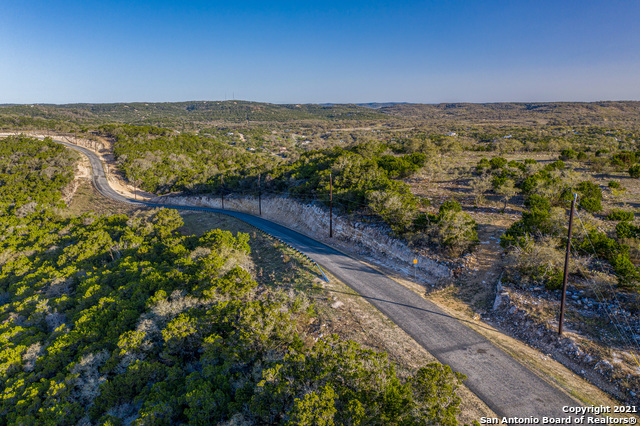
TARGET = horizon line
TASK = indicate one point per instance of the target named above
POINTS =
(318, 103)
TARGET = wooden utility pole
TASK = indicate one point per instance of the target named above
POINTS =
(259, 196)
(222, 190)
(330, 206)
(135, 195)
(566, 266)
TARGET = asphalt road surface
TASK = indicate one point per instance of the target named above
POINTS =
(507, 387)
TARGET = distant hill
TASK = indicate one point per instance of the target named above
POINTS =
(378, 105)
(177, 114)
(571, 113)
(372, 105)
(196, 111)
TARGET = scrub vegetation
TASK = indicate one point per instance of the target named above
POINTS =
(485, 189)
(122, 319)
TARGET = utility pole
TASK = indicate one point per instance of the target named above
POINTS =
(566, 266)
(222, 190)
(330, 206)
(259, 196)
(135, 195)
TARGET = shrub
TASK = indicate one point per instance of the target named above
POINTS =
(497, 163)
(591, 204)
(396, 208)
(401, 167)
(456, 230)
(620, 215)
(634, 171)
(568, 154)
(627, 230)
(537, 202)
(625, 269)
(482, 166)
(605, 247)
(537, 263)
(623, 158)
(517, 165)
(613, 184)
(591, 196)
(556, 165)
(449, 206)
(541, 219)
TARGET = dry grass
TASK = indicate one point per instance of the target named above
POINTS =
(541, 364)
(339, 309)
(87, 199)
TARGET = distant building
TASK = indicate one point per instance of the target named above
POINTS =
(452, 134)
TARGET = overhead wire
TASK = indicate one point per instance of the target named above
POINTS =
(630, 341)
(347, 204)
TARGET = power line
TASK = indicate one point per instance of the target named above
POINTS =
(632, 341)
(566, 266)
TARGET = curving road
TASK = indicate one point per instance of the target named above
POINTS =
(98, 175)
(507, 387)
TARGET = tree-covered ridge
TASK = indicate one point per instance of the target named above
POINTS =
(162, 161)
(363, 176)
(366, 178)
(172, 113)
(229, 111)
(116, 319)
(33, 171)
(571, 113)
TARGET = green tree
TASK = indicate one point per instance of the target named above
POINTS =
(506, 190)
(315, 409)
(455, 230)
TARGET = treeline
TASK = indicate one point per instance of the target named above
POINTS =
(179, 114)
(227, 111)
(161, 160)
(522, 114)
(367, 178)
(592, 141)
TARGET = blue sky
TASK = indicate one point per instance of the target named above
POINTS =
(309, 51)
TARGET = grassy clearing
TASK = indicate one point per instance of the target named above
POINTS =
(87, 199)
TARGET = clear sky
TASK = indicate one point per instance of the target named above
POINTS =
(308, 51)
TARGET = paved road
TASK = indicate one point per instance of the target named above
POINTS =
(507, 387)
(98, 175)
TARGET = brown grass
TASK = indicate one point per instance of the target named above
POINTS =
(87, 199)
